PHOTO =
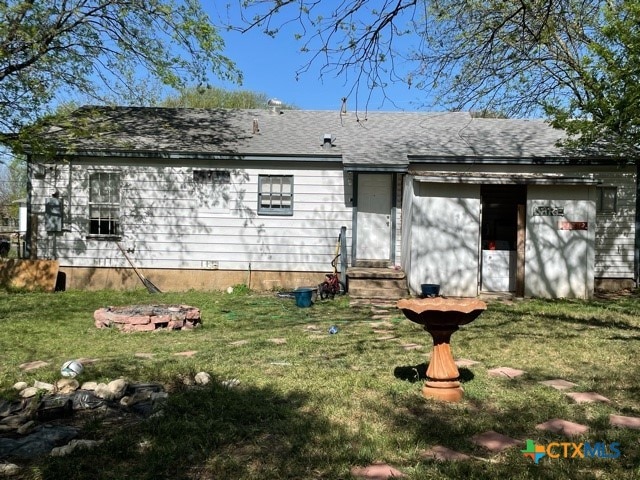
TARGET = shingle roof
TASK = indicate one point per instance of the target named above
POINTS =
(374, 138)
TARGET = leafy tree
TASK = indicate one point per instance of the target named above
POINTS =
(99, 48)
(13, 184)
(578, 61)
(213, 97)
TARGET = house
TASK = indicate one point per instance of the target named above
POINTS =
(205, 199)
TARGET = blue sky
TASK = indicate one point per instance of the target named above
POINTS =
(269, 66)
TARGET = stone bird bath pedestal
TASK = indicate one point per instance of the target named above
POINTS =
(441, 317)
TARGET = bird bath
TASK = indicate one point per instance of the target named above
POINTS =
(441, 317)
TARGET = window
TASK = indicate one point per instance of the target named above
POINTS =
(212, 176)
(606, 199)
(104, 204)
(275, 194)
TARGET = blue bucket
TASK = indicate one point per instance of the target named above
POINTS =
(430, 289)
(303, 297)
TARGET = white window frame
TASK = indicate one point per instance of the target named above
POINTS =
(104, 205)
(275, 195)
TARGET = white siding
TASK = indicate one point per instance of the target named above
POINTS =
(445, 238)
(172, 222)
(615, 232)
(559, 263)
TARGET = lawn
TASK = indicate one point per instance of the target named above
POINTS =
(313, 405)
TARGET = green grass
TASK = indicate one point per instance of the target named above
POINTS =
(320, 404)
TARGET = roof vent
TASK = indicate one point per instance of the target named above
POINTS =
(275, 105)
(327, 141)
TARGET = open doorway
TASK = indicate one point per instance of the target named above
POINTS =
(502, 237)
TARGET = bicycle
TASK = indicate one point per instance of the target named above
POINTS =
(332, 284)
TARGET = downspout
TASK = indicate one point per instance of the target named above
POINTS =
(29, 231)
(636, 250)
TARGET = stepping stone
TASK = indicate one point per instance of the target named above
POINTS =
(443, 454)
(506, 372)
(564, 427)
(587, 397)
(189, 353)
(381, 316)
(494, 441)
(465, 362)
(388, 337)
(383, 332)
(377, 471)
(381, 324)
(278, 341)
(625, 422)
(239, 343)
(559, 384)
(144, 355)
(29, 366)
(88, 361)
(411, 346)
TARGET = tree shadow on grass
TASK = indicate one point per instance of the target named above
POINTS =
(416, 373)
(218, 432)
(428, 423)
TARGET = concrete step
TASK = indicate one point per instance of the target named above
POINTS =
(377, 283)
(380, 273)
(383, 293)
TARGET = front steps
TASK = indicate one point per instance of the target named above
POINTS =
(376, 285)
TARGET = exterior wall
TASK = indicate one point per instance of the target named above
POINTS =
(559, 263)
(174, 280)
(170, 222)
(445, 230)
(615, 232)
(609, 242)
(399, 257)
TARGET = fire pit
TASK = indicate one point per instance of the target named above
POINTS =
(441, 317)
(144, 318)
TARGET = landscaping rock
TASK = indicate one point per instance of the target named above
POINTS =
(19, 386)
(67, 385)
(26, 428)
(202, 378)
(29, 392)
(9, 408)
(74, 445)
(9, 469)
(14, 421)
(138, 397)
(89, 386)
(43, 386)
(112, 391)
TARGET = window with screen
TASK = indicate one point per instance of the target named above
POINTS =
(104, 204)
(275, 194)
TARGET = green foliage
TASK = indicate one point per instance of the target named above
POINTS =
(605, 117)
(313, 405)
(577, 61)
(213, 97)
(98, 48)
